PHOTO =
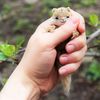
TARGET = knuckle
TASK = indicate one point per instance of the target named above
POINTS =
(78, 15)
(81, 18)
(81, 43)
(76, 57)
(75, 67)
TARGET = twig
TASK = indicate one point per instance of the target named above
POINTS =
(21, 51)
(94, 46)
(1, 83)
(95, 54)
(93, 36)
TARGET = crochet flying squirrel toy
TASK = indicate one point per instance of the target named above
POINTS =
(59, 17)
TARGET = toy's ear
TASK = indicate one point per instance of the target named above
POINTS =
(53, 10)
(68, 9)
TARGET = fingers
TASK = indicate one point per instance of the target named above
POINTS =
(76, 44)
(73, 60)
(64, 32)
(81, 26)
(73, 57)
(69, 68)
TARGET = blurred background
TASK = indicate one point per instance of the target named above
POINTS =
(18, 21)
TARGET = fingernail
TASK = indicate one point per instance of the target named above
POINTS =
(64, 59)
(70, 48)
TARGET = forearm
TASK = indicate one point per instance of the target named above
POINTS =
(19, 87)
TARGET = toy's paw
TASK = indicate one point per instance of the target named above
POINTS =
(51, 28)
(75, 34)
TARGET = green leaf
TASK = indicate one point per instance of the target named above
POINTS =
(2, 57)
(94, 71)
(94, 20)
(19, 42)
(7, 50)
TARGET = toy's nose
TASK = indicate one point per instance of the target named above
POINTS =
(63, 20)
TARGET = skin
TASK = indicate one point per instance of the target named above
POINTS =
(36, 75)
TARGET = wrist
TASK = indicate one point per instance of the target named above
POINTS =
(28, 84)
(20, 87)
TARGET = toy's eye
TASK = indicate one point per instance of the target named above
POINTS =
(56, 18)
(67, 16)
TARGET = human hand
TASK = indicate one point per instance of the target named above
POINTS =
(76, 49)
(38, 61)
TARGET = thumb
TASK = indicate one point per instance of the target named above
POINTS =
(64, 32)
(42, 28)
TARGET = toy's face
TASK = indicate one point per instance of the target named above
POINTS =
(61, 15)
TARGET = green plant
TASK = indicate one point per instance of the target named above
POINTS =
(88, 2)
(8, 52)
(2, 57)
(55, 3)
(22, 23)
(93, 71)
(94, 20)
(19, 42)
(7, 49)
(6, 9)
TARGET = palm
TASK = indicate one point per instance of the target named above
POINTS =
(49, 82)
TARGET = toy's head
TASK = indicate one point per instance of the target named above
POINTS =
(61, 14)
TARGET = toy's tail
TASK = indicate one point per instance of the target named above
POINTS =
(66, 82)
